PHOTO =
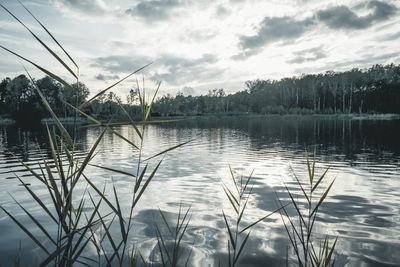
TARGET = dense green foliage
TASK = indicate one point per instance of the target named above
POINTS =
(19, 99)
(373, 90)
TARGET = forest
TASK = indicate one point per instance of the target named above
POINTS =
(373, 90)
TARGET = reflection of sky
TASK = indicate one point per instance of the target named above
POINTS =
(362, 208)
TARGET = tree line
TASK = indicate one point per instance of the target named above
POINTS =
(372, 90)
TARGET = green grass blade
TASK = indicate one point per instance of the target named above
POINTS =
(234, 180)
(100, 193)
(39, 225)
(263, 218)
(42, 43)
(111, 86)
(232, 240)
(51, 35)
(124, 234)
(98, 123)
(234, 202)
(300, 185)
(167, 150)
(47, 72)
(113, 170)
(295, 205)
(133, 124)
(323, 197)
(139, 180)
(319, 180)
(241, 248)
(165, 221)
(59, 125)
(146, 183)
(29, 233)
(37, 199)
(151, 103)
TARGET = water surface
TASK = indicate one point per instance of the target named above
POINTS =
(362, 210)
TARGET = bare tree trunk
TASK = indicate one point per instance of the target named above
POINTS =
(343, 96)
(351, 97)
(314, 100)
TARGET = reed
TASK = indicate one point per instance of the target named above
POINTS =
(76, 227)
(300, 229)
(238, 195)
(93, 218)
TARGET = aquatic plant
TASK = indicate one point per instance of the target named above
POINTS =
(301, 230)
(238, 196)
(77, 216)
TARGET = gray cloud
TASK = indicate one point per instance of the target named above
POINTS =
(103, 77)
(199, 35)
(188, 91)
(278, 29)
(153, 10)
(312, 54)
(391, 36)
(87, 6)
(176, 70)
(341, 17)
(222, 11)
(273, 29)
(120, 63)
(180, 70)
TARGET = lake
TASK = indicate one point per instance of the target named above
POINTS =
(362, 209)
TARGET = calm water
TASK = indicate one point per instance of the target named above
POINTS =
(363, 209)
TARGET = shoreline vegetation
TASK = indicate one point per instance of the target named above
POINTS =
(217, 116)
(95, 218)
(368, 93)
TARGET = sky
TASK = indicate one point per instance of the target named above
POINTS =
(198, 45)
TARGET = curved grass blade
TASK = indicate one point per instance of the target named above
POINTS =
(151, 103)
(51, 35)
(63, 131)
(323, 197)
(167, 150)
(111, 86)
(229, 231)
(319, 180)
(146, 183)
(29, 233)
(241, 248)
(113, 170)
(54, 76)
(42, 43)
(263, 218)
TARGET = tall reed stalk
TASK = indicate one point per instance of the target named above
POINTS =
(239, 195)
(301, 231)
(76, 226)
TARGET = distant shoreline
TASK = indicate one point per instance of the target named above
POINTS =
(354, 116)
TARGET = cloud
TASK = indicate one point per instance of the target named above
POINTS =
(278, 29)
(199, 35)
(341, 17)
(312, 54)
(391, 37)
(179, 71)
(174, 70)
(188, 91)
(222, 11)
(92, 7)
(154, 10)
(273, 29)
(120, 63)
(103, 77)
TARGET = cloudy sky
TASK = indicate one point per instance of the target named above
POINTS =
(197, 45)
